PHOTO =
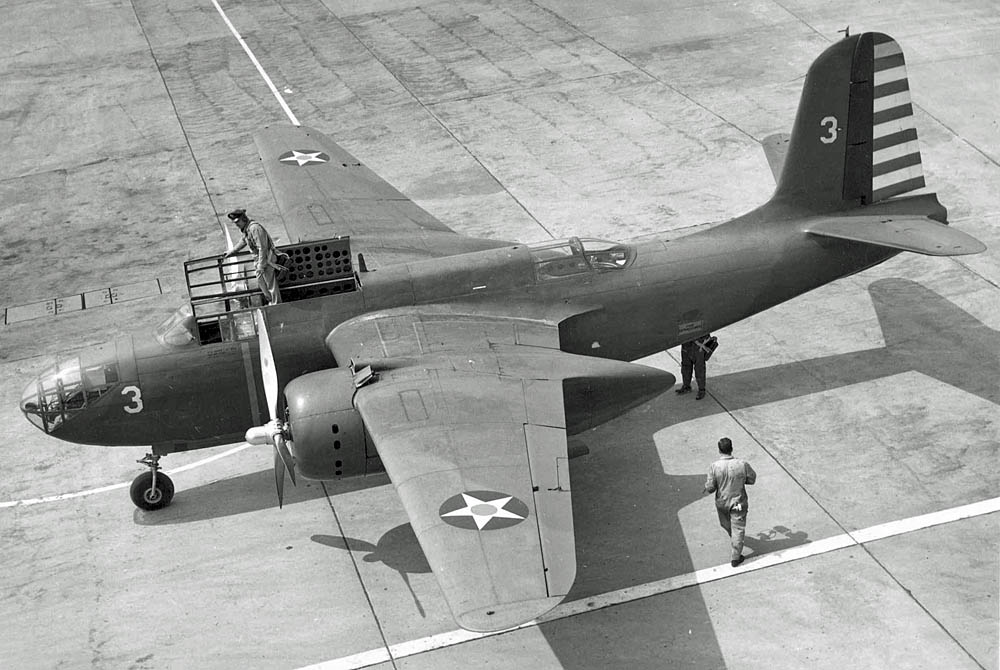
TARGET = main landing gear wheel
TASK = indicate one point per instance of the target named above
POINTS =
(151, 490)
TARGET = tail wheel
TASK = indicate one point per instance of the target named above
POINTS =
(148, 498)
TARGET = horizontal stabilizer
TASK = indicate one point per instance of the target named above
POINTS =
(907, 233)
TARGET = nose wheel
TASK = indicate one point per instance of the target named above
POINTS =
(151, 490)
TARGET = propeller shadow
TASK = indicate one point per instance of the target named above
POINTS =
(397, 549)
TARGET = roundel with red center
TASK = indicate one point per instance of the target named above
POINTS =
(483, 510)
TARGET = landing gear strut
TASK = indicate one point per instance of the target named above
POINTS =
(151, 490)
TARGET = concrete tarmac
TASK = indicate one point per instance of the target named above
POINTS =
(870, 401)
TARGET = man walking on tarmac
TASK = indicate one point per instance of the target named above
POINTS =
(265, 255)
(728, 478)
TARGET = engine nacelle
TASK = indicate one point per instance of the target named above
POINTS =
(328, 435)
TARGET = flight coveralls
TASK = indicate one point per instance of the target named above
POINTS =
(728, 478)
(262, 246)
(693, 358)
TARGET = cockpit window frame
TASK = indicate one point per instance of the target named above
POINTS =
(558, 259)
(605, 255)
(571, 257)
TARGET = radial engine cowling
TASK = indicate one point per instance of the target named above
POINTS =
(328, 436)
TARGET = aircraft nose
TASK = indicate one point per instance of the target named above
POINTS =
(31, 404)
(49, 399)
(63, 391)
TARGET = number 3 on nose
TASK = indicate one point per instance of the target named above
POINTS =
(135, 406)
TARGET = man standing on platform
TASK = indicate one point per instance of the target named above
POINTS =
(265, 256)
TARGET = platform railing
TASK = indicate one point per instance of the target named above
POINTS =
(224, 289)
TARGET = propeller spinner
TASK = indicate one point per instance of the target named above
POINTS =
(274, 432)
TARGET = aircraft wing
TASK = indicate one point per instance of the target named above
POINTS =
(480, 464)
(474, 440)
(905, 232)
(467, 414)
(322, 191)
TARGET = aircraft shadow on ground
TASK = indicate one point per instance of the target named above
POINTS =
(628, 530)
(626, 509)
(923, 332)
(251, 492)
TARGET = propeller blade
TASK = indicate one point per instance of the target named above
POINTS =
(279, 477)
(268, 374)
(281, 449)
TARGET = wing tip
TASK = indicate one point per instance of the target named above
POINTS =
(504, 616)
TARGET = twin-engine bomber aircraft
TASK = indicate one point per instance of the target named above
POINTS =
(461, 365)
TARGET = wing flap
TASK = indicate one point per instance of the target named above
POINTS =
(549, 463)
(907, 233)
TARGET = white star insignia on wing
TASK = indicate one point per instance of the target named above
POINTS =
(484, 511)
(304, 157)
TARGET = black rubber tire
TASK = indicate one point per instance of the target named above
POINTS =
(143, 495)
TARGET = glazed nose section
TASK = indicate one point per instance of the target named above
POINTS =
(54, 395)
(31, 404)
(65, 390)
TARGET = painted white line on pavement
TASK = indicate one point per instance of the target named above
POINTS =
(631, 593)
(260, 69)
(114, 487)
(205, 461)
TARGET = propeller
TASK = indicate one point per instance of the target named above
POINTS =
(273, 432)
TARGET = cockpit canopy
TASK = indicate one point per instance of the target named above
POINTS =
(563, 258)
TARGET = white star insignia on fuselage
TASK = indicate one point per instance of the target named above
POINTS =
(484, 511)
(303, 157)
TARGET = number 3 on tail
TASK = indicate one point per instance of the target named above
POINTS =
(136, 405)
(830, 122)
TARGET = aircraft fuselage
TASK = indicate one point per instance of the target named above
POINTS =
(668, 291)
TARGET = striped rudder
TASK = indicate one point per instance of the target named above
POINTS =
(854, 141)
(895, 155)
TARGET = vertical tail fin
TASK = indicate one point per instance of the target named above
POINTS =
(854, 141)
